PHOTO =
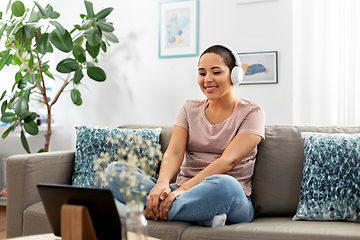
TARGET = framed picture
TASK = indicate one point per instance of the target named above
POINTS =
(178, 28)
(259, 67)
(251, 1)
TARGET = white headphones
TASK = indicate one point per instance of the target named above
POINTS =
(237, 73)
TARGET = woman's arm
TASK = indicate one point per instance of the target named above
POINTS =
(238, 148)
(170, 165)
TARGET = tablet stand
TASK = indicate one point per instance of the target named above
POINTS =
(76, 223)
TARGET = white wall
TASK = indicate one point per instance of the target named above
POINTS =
(143, 89)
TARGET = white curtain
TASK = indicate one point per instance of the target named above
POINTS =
(326, 62)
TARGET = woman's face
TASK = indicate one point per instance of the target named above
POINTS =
(214, 76)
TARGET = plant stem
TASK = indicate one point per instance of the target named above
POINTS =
(59, 92)
(46, 102)
(48, 106)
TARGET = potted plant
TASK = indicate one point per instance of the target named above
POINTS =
(30, 34)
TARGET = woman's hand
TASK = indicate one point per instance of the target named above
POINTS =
(156, 195)
(165, 204)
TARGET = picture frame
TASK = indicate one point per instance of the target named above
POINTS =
(259, 67)
(178, 28)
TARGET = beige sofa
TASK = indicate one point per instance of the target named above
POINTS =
(276, 186)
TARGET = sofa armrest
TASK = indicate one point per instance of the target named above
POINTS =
(23, 173)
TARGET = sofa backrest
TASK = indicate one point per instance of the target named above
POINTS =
(164, 137)
(278, 169)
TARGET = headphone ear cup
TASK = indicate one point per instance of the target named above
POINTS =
(237, 75)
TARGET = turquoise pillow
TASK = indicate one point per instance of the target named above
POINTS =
(330, 188)
(90, 141)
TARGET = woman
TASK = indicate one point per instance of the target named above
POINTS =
(214, 143)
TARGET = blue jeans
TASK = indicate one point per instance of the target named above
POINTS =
(215, 195)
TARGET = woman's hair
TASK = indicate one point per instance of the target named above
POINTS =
(224, 53)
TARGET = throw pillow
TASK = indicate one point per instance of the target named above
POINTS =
(91, 142)
(330, 188)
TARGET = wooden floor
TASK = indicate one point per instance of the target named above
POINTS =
(2, 222)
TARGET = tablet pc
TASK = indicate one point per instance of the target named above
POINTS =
(99, 202)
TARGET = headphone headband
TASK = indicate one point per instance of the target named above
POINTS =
(236, 56)
(237, 73)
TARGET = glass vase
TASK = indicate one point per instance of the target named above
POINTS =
(135, 222)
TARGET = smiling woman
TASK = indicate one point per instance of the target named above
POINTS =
(214, 143)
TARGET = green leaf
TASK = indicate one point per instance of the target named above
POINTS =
(29, 30)
(49, 10)
(63, 42)
(106, 27)
(32, 78)
(8, 117)
(8, 6)
(2, 30)
(59, 27)
(89, 9)
(87, 24)
(22, 84)
(31, 61)
(67, 65)
(43, 43)
(3, 106)
(93, 36)
(76, 27)
(41, 10)
(5, 56)
(18, 9)
(103, 46)
(24, 142)
(18, 76)
(20, 106)
(96, 74)
(93, 50)
(9, 129)
(78, 76)
(76, 97)
(47, 73)
(110, 37)
(31, 128)
(104, 13)
(54, 15)
(3, 95)
(79, 53)
(19, 34)
(33, 16)
(50, 48)
(26, 94)
(29, 117)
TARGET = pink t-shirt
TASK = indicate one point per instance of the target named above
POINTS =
(206, 142)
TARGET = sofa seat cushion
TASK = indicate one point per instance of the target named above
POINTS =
(35, 220)
(167, 230)
(282, 228)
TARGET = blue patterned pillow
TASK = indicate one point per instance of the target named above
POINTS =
(90, 141)
(330, 188)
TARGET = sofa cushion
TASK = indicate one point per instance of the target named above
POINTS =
(91, 142)
(330, 188)
(35, 220)
(276, 229)
(278, 169)
(172, 230)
